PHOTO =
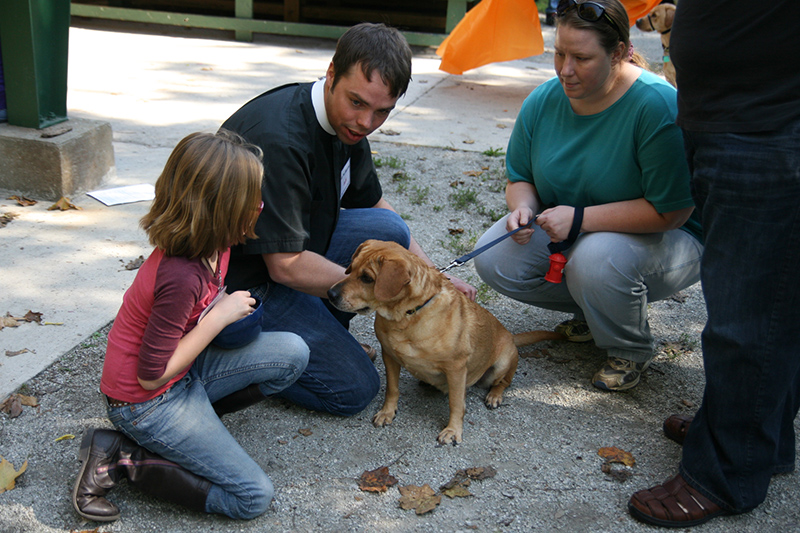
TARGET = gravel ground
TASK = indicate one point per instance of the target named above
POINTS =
(543, 442)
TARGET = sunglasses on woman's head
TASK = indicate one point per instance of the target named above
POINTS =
(588, 11)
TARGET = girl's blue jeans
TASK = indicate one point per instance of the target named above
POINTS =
(181, 425)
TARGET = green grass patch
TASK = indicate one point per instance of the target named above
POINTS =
(464, 198)
(391, 162)
(494, 152)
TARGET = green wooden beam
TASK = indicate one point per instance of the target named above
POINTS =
(235, 24)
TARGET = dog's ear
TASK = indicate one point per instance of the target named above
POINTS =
(669, 16)
(391, 279)
(355, 254)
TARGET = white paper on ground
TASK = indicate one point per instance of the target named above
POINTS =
(125, 195)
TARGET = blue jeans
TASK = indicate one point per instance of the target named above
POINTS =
(608, 280)
(339, 379)
(747, 188)
(181, 426)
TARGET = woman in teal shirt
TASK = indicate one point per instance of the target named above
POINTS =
(598, 147)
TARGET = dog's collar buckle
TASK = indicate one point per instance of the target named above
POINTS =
(417, 308)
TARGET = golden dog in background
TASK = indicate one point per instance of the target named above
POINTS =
(660, 20)
(425, 325)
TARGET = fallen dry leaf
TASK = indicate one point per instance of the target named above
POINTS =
(473, 173)
(617, 474)
(12, 406)
(389, 132)
(457, 487)
(612, 454)
(23, 200)
(378, 480)
(63, 204)
(468, 141)
(32, 316)
(455, 231)
(135, 263)
(480, 472)
(68, 436)
(28, 401)
(456, 183)
(457, 491)
(422, 499)
(10, 353)
(305, 432)
(5, 218)
(9, 475)
(8, 322)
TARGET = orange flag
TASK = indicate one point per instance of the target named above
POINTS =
(492, 31)
(638, 8)
(502, 30)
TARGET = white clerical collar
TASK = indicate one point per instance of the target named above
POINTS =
(318, 101)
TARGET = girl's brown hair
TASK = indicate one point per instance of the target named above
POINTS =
(207, 197)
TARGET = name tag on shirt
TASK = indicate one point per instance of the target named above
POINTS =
(345, 178)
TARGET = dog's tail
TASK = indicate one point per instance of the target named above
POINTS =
(532, 337)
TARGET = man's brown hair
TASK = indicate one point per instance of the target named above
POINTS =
(374, 47)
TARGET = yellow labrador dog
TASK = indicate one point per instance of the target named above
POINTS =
(425, 325)
(660, 20)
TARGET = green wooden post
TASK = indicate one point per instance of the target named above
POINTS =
(35, 38)
(244, 10)
(456, 9)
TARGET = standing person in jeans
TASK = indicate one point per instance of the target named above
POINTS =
(596, 152)
(322, 199)
(740, 113)
(161, 372)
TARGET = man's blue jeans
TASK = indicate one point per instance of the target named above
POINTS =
(747, 188)
(339, 378)
(181, 426)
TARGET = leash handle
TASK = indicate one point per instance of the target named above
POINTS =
(466, 257)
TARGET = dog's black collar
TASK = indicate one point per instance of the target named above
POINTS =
(417, 308)
(666, 32)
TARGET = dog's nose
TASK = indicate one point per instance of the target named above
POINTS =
(333, 293)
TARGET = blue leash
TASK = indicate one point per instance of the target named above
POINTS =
(555, 247)
(464, 258)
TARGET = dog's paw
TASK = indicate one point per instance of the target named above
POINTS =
(493, 400)
(383, 418)
(449, 436)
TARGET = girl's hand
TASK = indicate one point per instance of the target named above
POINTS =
(232, 307)
(520, 217)
(557, 222)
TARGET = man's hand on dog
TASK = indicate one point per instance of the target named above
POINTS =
(465, 288)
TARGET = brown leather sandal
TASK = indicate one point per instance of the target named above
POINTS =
(676, 426)
(673, 504)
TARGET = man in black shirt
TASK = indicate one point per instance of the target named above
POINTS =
(322, 198)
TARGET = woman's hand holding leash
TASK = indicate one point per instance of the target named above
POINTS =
(557, 222)
(521, 216)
